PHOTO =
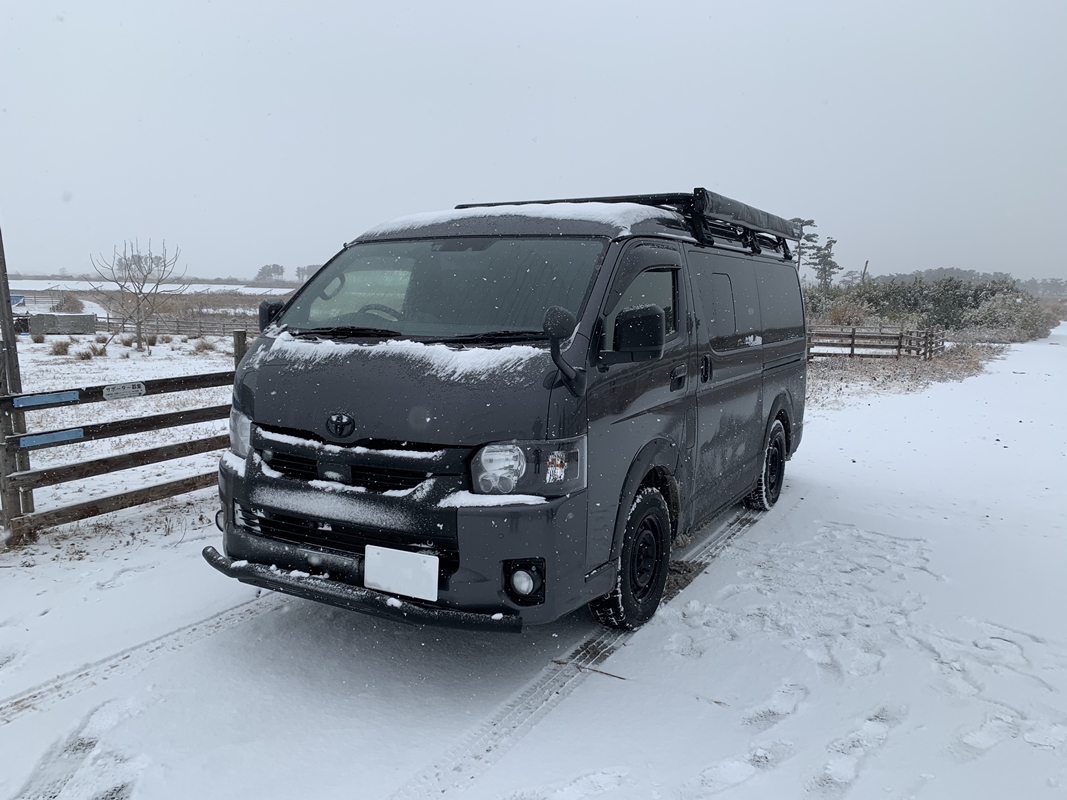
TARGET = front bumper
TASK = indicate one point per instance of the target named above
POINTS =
(476, 541)
(357, 598)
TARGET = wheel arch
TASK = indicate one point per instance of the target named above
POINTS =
(781, 408)
(654, 465)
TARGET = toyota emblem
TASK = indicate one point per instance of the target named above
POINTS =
(340, 426)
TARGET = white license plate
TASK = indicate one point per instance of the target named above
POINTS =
(400, 572)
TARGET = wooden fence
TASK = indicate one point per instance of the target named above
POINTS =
(875, 343)
(18, 483)
(175, 326)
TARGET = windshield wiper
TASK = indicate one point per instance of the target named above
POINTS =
(493, 336)
(343, 331)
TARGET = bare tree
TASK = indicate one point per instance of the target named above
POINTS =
(132, 283)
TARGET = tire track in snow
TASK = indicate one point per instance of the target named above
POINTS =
(130, 659)
(457, 769)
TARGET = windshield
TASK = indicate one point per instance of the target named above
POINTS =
(447, 288)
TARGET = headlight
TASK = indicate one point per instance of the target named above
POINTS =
(498, 467)
(543, 468)
(240, 433)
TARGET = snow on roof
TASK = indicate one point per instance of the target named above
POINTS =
(617, 215)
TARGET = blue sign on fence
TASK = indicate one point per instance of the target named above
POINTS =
(50, 438)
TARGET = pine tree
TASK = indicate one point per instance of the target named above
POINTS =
(809, 240)
(821, 259)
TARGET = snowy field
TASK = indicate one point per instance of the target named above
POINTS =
(894, 628)
(21, 285)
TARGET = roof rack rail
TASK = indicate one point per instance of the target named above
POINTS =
(703, 209)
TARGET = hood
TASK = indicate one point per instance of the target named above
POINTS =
(398, 391)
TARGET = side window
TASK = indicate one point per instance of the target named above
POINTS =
(653, 287)
(722, 307)
(729, 301)
(781, 305)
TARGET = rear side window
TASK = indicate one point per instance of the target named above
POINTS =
(722, 306)
(781, 305)
(728, 298)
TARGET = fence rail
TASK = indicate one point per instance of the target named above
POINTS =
(17, 484)
(174, 326)
(875, 343)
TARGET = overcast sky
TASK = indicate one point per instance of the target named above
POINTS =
(919, 134)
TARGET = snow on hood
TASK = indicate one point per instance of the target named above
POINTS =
(618, 215)
(440, 360)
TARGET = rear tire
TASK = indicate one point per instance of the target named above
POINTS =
(772, 475)
(643, 565)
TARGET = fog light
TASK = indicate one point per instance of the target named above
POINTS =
(522, 582)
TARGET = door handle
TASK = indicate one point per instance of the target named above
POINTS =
(705, 368)
(678, 377)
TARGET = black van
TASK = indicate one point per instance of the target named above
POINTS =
(491, 416)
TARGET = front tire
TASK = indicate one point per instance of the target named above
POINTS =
(643, 565)
(766, 493)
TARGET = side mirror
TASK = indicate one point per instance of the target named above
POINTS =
(558, 324)
(268, 312)
(639, 335)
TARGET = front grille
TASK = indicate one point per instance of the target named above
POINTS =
(373, 479)
(293, 466)
(380, 479)
(338, 538)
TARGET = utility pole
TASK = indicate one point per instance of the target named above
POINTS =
(15, 502)
(12, 376)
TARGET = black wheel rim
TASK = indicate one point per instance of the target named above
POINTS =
(644, 562)
(775, 467)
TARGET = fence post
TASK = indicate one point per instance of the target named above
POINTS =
(240, 347)
(900, 343)
(852, 347)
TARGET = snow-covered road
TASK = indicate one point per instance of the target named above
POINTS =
(895, 628)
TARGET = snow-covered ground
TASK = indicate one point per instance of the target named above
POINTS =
(20, 285)
(895, 628)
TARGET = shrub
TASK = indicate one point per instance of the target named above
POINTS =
(166, 338)
(150, 340)
(60, 347)
(101, 338)
(848, 311)
(203, 345)
(83, 355)
(127, 340)
(1011, 317)
(69, 304)
(98, 349)
(37, 338)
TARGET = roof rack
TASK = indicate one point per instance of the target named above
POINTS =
(707, 213)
